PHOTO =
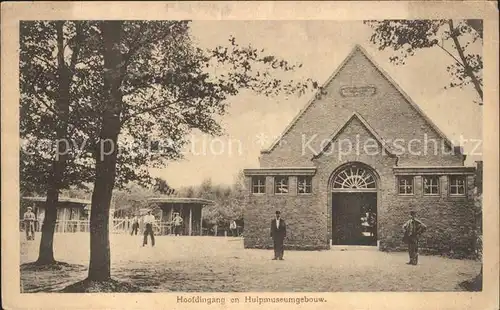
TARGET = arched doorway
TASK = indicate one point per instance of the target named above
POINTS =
(353, 188)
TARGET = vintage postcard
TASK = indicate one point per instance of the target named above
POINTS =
(332, 155)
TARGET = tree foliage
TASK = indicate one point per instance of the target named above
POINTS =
(170, 87)
(162, 187)
(229, 200)
(40, 76)
(139, 86)
(458, 39)
(132, 198)
(50, 53)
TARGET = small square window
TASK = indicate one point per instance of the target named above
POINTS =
(258, 185)
(457, 185)
(431, 185)
(281, 185)
(405, 185)
(304, 185)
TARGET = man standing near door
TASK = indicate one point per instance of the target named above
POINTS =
(278, 233)
(412, 229)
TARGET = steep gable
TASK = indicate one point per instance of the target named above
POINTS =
(355, 118)
(360, 86)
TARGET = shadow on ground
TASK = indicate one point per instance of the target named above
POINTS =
(211, 264)
(49, 278)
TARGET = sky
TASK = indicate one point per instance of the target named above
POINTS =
(253, 121)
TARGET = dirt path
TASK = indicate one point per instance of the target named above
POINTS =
(210, 264)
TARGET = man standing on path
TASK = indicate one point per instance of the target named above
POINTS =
(148, 222)
(29, 224)
(412, 229)
(278, 233)
(233, 228)
(135, 225)
(177, 221)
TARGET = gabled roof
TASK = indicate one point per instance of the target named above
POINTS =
(61, 199)
(178, 200)
(356, 115)
(280, 171)
(357, 47)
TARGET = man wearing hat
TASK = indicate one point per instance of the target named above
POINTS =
(412, 229)
(29, 224)
(278, 233)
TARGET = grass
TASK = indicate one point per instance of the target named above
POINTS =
(218, 264)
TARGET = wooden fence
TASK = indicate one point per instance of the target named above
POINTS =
(122, 226)
(117, 226)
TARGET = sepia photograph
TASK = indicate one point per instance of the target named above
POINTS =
(245, 156)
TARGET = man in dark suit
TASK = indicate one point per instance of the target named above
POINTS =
(412, 229)
(278, 233)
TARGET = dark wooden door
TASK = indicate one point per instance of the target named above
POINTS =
(347, 212)
(345, 215)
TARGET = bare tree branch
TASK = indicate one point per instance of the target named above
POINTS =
(143, 111)
(452, 56)
(46, 62)
(467, 68)
(51, 109)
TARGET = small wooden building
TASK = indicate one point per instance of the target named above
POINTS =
(70, 211)
(190, 209)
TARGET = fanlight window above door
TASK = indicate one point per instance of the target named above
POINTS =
(354, 178)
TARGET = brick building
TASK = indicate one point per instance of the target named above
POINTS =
(353, 163)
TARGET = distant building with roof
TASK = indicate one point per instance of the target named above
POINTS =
(69, 211)
(190, 209)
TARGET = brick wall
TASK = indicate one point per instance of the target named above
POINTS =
(449, 219)
(479, 176)
(330, 163)
(304, 215)
(387, 112)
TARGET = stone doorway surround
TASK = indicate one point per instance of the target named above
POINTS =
(355, 178)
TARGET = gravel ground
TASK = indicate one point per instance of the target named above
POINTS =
(218, 264)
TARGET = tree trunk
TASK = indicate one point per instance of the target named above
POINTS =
(46, 253)
(106, 155)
